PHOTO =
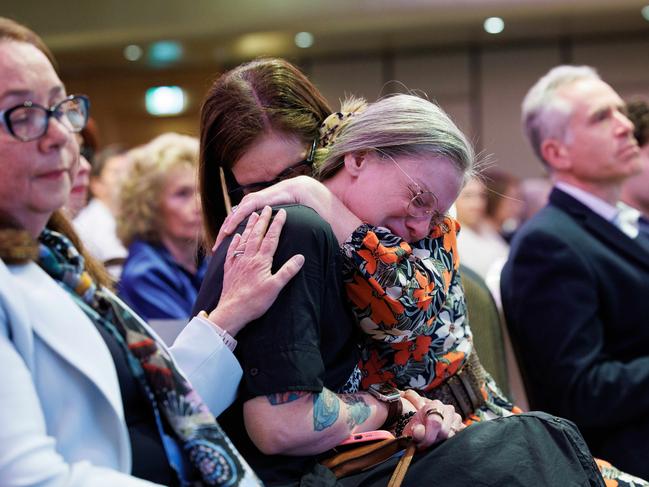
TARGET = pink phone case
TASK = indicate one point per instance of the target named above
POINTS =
(375, 435)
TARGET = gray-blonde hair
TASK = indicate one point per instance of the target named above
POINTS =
(141, 191)
(397, 126)
(545, 114)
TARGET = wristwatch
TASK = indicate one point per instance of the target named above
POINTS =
(390, 395)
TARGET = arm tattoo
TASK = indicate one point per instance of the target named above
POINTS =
(357, 409)
(325, 409)
(285, 397)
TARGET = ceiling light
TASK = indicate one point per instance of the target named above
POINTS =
(163, 101)
(494, 25)
(645, 12)
(133, 52)
(261, 44)
(304, 39)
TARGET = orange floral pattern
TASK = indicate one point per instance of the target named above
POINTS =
(409, 302)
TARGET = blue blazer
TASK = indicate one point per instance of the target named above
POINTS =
(156, 286)
(61, 414)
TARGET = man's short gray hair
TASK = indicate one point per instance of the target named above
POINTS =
(546, 115)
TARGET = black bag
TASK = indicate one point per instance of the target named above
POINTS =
(531, 449)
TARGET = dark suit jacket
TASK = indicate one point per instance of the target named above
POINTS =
(575, 293)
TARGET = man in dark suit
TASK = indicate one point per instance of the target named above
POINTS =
(575, 289)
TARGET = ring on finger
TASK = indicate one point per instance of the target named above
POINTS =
(237, 253)
(435, 412)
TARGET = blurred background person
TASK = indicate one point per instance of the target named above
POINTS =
(504, 208)
(78, 200)
(160, 222)
(96, 222)
(635, 191)
(534, 192)
(479, 242)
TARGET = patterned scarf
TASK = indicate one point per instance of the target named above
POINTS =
(198, 447)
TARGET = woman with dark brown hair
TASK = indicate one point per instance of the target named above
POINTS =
(270, 103)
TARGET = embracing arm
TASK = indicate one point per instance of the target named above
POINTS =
(410, 280)
(301, 190)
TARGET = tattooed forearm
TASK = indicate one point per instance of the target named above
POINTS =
(357, 409)
(325, 410)
(285, 397)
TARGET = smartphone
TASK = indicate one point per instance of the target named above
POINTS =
(367, 437)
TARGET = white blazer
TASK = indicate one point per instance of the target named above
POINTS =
(61, 415)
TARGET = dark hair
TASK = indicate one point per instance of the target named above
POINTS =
(253, 98)
(13, 31)
(638, 111)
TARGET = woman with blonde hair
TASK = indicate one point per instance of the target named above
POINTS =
(160, 223)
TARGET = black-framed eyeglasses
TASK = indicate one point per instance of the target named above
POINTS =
(304, 167)
(29, 121)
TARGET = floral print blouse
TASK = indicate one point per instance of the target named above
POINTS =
(409, 302)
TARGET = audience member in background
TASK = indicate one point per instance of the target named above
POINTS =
(96, 222)
(575, 287)
(89, 396)
(79, 193)
(504, 201)
(635, 191)
(160, 223)
(479, 242)
(535, 192)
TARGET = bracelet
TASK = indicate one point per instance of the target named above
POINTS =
(395, 408)
(402, 422)
(228, 339)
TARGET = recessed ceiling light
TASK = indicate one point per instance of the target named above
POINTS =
(645, 12)
(133, 52)
(165, 100)
(304, 39)
(261, 44)
(494, 25)
(165, 52)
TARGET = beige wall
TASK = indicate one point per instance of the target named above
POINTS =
(481, 88)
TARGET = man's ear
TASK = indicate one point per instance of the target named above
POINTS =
(555, 153)
(355, 162)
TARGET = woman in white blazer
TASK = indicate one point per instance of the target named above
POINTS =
(63, 404)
